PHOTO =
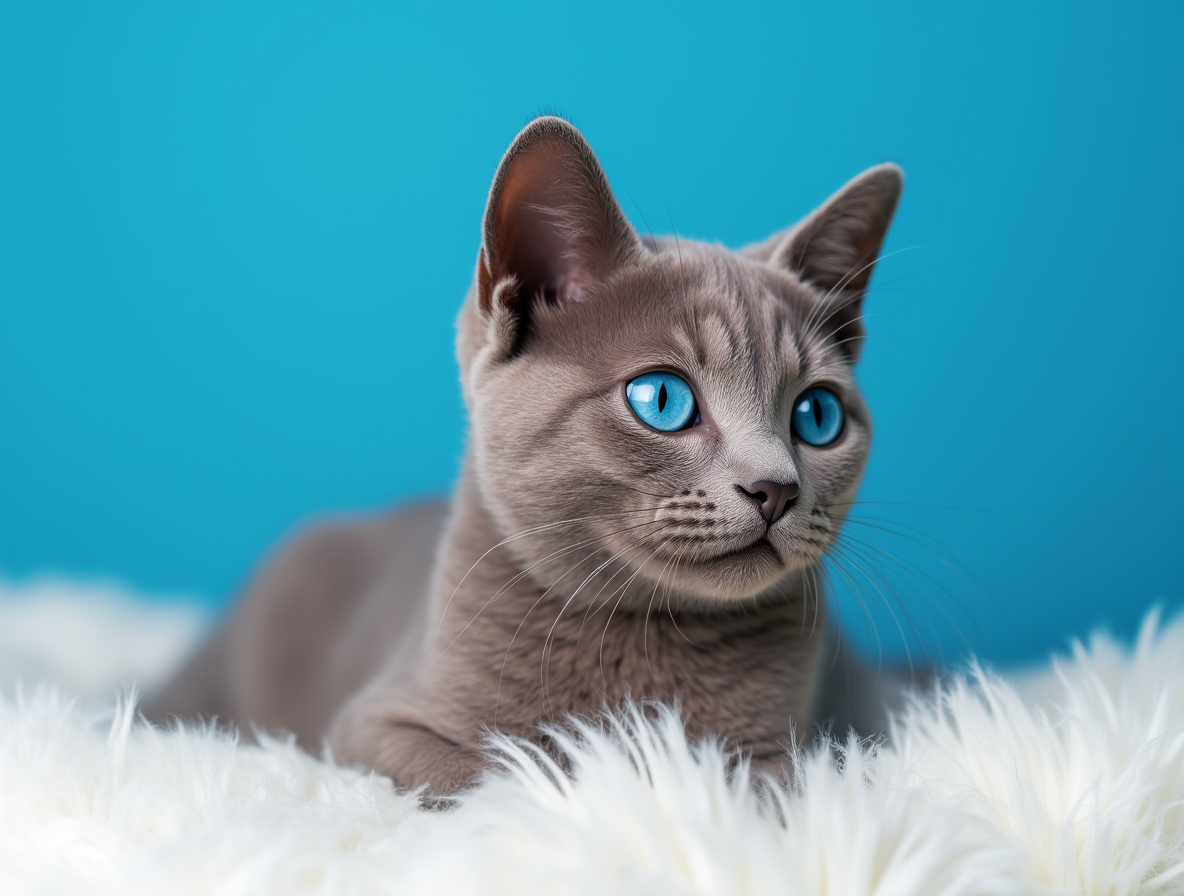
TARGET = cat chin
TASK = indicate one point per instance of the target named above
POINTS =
(739, 574)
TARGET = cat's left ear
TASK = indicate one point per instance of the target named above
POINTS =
(553, 229)
(836, 247)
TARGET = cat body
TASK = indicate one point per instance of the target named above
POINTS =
(589, 556)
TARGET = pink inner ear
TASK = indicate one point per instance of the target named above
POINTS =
(552, 222)
(572, 287)
(540, 248)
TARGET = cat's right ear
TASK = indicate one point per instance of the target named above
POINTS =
(835, 249)
(553, 230)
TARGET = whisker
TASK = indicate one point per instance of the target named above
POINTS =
(592, 608)
(930, 546)
(884, 600)
(547, 641)
(912, 569)
(669, 285)
(518, 630)
(645, 646)
(623, 589)
(522, 622)
(674, 230)
(811, 326)
(839, 633)
(869, 620)
(525, 572)
(863, 503)
(531, 531)
(669, 603)
(921, 635)
(847, 279)
(817, 598)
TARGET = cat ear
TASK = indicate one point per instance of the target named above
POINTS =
(835, 249)
(553, 229)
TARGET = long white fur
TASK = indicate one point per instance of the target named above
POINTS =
(1068, 781)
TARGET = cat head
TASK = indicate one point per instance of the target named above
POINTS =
(667, 413)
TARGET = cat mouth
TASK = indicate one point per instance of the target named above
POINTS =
(762, 548)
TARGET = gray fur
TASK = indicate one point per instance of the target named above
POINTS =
(586, 558)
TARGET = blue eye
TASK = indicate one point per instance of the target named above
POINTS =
(662, 400)
(818, 417)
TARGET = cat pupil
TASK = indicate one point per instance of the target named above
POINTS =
(661, 400)
(817, 413)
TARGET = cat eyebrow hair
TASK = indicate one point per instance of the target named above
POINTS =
(788, 349)
(712, 325)
(801, 356)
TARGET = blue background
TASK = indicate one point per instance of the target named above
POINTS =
(233, 239)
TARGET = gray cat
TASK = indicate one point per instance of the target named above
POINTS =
(665, 436)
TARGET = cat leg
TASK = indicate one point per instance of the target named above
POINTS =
(405, 749)
(277, 661)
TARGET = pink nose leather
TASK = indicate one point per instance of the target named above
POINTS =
(773, 497)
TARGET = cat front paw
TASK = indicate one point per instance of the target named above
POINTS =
(409, 752)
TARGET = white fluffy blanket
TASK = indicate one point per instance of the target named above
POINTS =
(1070, 781)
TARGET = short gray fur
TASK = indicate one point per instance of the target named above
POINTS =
(585, 558)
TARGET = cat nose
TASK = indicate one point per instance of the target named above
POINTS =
(773, 497)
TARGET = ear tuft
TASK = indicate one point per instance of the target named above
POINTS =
(551, 222)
